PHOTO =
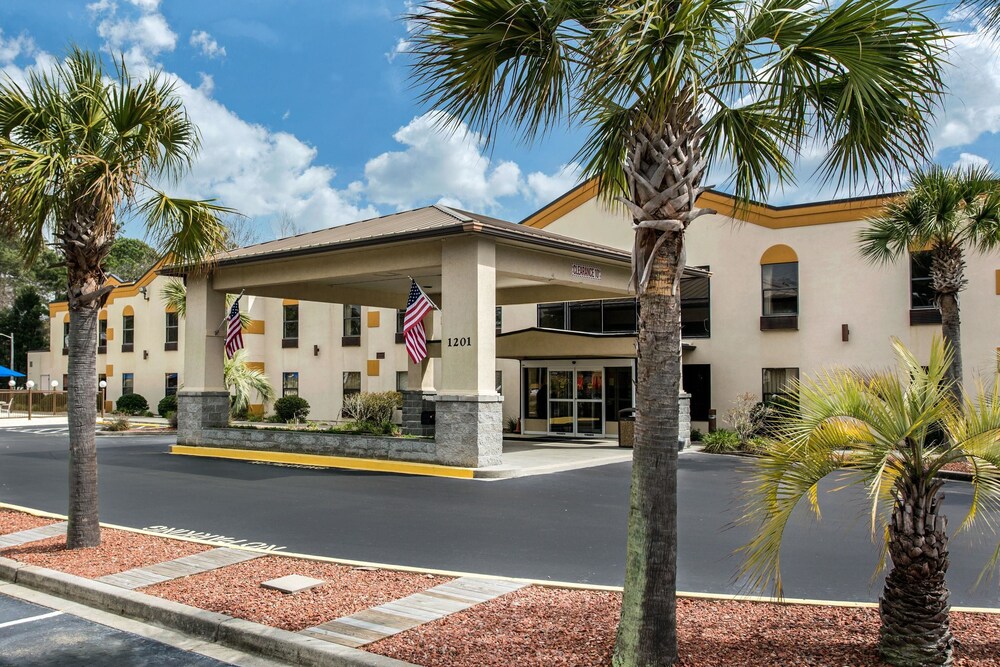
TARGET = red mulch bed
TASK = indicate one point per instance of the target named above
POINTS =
(236, 591)
(120, 550)
(15, 522)
(543, 626)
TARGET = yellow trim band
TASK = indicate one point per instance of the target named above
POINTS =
(322, 461)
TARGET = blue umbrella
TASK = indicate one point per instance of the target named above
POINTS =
(8, 373)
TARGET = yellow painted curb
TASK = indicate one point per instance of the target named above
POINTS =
(545, 583)
(322, 461)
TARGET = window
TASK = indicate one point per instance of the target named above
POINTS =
(171, 332)
(290, 325)
(533, 390)
(128, 383)
(352, 383)
(400, 318)
(696, 311)
(618, 395)
(499, 382)
(552, 315)
(780, 289)
(290, 383)
(585, 316)
(102, 336)
(402, 380)
(778, 384)
(352, 326)
(610, 316)
(921, 284)
(65, 337)
(499, 318)
(170, 385)
(620, 316)
(128, 332)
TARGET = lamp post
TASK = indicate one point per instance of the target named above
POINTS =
(55, 387)
(30, 384)
(104, 386)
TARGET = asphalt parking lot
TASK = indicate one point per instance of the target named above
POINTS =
(33, 635)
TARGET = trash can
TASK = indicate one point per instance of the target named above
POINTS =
(626, 427)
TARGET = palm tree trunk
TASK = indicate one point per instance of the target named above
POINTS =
(947, 280)
(914, 605)
(647, 632)
(85, 251)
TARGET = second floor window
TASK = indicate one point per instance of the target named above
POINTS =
(102, 336)
(290, 384)
(780, 289)
(290, 322)
(128, 331)
(65, 335)
(352, 320)
(921, 284)
(172, 329)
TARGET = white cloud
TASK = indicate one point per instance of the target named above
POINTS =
(146, 5)
(402, 46)
(972, 104)
(970, 160)
(543, 188)
(439, 162)
(206, 44)
(149, 32)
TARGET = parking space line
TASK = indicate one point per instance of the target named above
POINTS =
(40, 617)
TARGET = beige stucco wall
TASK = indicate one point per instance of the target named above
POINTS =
(835, 287)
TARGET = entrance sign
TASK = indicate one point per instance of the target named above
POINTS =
(590, 272)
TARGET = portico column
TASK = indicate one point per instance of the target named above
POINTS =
(469, 430)
(203, 402)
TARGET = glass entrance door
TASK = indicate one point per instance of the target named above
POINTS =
(576, 399)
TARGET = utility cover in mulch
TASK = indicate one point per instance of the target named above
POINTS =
(15, 522)
(235, 590)
(120, 550)
(568, 628)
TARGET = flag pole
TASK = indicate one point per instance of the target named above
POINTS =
(225, 318)
(424, 293)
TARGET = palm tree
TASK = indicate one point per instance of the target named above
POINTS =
(944, 211)
(243, 381)
(985, 11)
(668, 90)
(891, 433)
(81, 150)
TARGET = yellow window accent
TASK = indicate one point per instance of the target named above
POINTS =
(373, 319)
(254, 327)
(373, 367)
(256, 409)
(109, 406)
(255, 365)
(111, 333)
(66, 317)
(103, 315)
(170, 309)
(778, 254)
(289, 302)
(60, 307)
(128, 310)
(998, 281)
(109, 370)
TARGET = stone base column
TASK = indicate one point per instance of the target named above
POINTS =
(683, 421)
(415, 404)
(469, 430)
(199, 410)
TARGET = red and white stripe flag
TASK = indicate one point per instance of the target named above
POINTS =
(234, 334)
(417, 305)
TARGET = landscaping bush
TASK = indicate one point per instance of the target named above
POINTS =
(166, 404)
(696, 435)
(721, 441)
(373, 408)
(748, 416)
(132, 404)
(118, 423)
(171, 419)
(290, 408)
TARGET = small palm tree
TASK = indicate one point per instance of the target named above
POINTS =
(667, 91)
(891, 433)
(244, 382)
(946, 212)
(82, 150)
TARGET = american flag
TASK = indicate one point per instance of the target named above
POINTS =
(234, 335)
(414, 334)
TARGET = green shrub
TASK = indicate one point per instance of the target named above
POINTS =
(368, 428)
(721, 441)
(118, 423)
(132, 404)
(290, 408)
(171, 419)
(696, 435)
(166, 404)
(373, 408)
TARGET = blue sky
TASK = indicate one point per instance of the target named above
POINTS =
(307, 114)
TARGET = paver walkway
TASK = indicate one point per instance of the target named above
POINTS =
(394, 617)
(184, 566)
(25, 536)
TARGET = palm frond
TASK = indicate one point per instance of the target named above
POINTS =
(174, 297)
(245, 382)
(190, 230)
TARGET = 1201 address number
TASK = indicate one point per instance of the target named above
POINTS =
(460, 342)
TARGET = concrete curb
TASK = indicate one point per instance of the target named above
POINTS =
(205, 625)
